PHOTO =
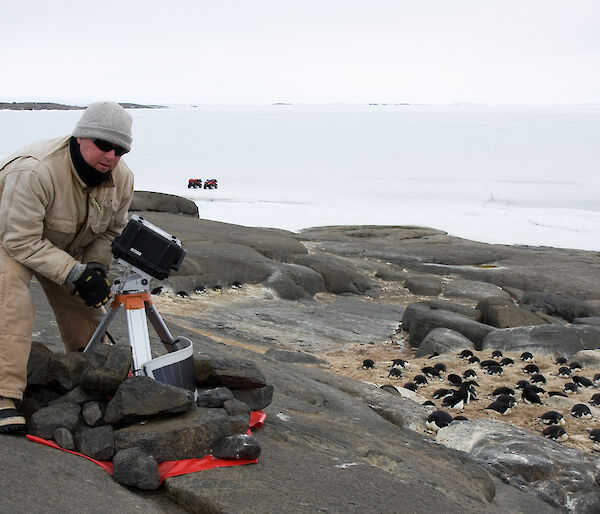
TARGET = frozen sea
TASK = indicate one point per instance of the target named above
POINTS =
(514, 175)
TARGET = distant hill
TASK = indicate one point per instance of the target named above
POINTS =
(50, 106)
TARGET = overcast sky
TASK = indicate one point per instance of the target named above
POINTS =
(305, 51)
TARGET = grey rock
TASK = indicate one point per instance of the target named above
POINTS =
(292, 281)
(162, 202)
(64, 438)
(549, 469)
(39, 365)
(236, 407)
(257, 398)
(80, 396)
(97, 442)
(439, 305)
(107, 366)
(473, 290)
(280, 355)
(338, 275)
(591, 320)
(562, 305)
(420, 318)
(503, 313)
(213, 397)
(45, 421)
(424, 286)
(555, 340)
(236, 447)
(589, 358)
(232, 373)
(142, 397)
(67, 369)
(443, 340)
(135, 468)
(92, 413)
(187, 436)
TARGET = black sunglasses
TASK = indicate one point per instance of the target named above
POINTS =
(105, 146)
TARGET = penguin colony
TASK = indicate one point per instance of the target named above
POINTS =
(515, 387)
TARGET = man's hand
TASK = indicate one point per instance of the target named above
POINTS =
(92, 286)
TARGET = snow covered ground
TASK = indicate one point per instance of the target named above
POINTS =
(515, 175)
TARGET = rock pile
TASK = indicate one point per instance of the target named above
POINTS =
(88, 402)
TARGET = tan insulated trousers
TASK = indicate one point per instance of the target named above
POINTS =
(76, 322)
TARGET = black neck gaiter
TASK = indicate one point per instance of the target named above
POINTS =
(89, 175)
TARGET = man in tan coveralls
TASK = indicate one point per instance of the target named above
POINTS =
(62, 202)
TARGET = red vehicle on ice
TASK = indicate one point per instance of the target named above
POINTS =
(194, 183)
(210, 183)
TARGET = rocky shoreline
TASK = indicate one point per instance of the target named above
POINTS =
(309, 308)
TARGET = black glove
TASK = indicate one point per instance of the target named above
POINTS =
(92, 286)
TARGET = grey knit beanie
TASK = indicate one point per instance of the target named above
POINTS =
(108, 121)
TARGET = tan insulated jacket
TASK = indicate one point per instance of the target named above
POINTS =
(49, 218)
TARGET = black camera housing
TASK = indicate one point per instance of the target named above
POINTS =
(148, 248)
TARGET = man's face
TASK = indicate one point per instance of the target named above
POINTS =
(96, 158)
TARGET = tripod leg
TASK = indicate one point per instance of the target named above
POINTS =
(139, 339)
(161, 329)
(101, 329)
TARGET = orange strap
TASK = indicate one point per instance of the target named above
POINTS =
(132, 300)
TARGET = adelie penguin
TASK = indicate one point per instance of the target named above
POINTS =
(531, 369)
(494, 370)
(526, 356)
(555, 432)
(570, 387)
(531, 393)
(474, 359)
(368, 364)
(507, 361)
(465, 354)
(469, 373)
(560, 361)
(503, 390)
(431, 372)
(500, 406)
(552, 418)
(594, 435)
(581, 410)
(442, 393)
(454, 379)
(420, 380)
(564, 372)
(595, 399)
(596, 379)
(489, 362)
(399, 363)
(411, 386)
(496, 354)
(438, 419)
(582, 382)
(440, 366)
(575, 365)
(538, 379)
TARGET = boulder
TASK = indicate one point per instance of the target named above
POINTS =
(97, 442)
(339, 276)
(588, 358)
(472, 290)
(45, 421)
(64, 438)
(92, 413)
(419, 319)
(39, 365)
(187, 436)
(213, 397)
(503, 313)
(136, 468)
(281, 355)
(67, 369)
(562, 305)
(107, 367)
(257, 398)
(555, 340)
(424, 286)
(592, 320)
(162, 202)
(443, 340)
(239, 446)
(231, 373)
(548, 468)
(144, 397)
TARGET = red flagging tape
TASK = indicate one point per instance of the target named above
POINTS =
(172, 468)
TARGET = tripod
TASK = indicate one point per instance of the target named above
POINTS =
(132, 291)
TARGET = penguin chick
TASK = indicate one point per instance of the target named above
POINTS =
(552, 418)
(395, 373)
(581, 410)
(438, 419)
(555, 432)
(420, 380)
